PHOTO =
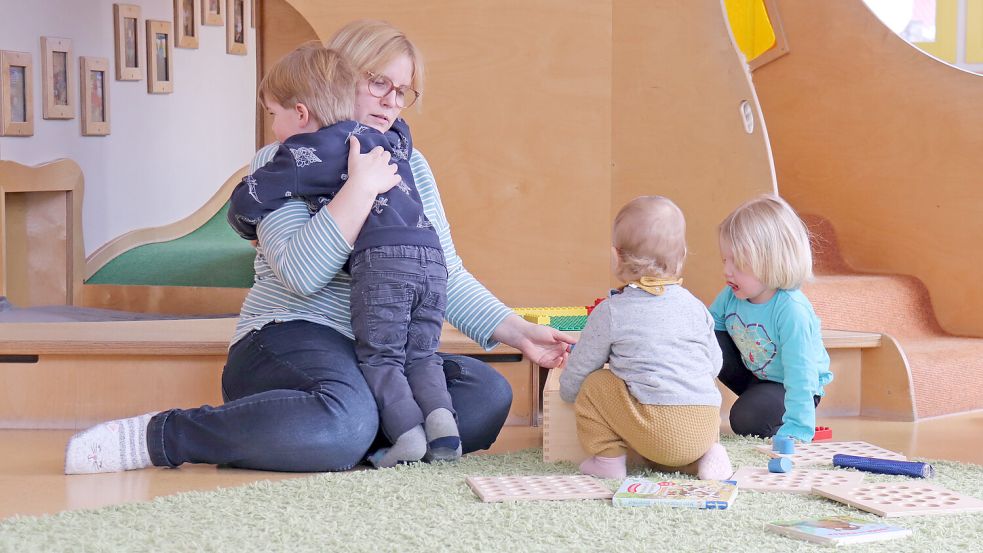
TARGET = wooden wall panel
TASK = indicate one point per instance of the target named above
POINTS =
(677, 87)
(280, 29)
(516, 124)
(542, 118)
(884, 141)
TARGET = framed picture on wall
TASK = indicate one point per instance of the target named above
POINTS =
(126, 26)
(56, 78)
(16, 94)
(160, 57)
(186, 17)
(94, 93)
(212, 12)
(235, 26)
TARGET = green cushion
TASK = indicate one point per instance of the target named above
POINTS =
(212, 256)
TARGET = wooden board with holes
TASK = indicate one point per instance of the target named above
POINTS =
(529, 488)
(798, 481)
(896, 499)
(816, 453)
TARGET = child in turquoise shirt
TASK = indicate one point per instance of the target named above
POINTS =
(770, 337)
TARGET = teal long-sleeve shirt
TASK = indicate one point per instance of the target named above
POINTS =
(780, 341)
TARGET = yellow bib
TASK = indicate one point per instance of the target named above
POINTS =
(655, 286)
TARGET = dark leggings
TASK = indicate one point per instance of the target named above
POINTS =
(760, 404)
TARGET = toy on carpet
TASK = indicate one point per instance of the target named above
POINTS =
(895, 499)
(800, 481)
(837, 530)
(823, 433)
(783, 444)
(884, 466)
(492, 489)
(780, 464)
(695, 494)
(815, 453)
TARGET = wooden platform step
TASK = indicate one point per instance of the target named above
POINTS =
(73, 375)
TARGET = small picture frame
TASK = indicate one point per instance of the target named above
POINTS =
(212, 12)
(94, 94)
(186, 19)
(57, 78)
(126, 24)
(16, 94)
(237, 11)
(160, 57)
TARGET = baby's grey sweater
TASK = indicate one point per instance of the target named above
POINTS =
(663, 347)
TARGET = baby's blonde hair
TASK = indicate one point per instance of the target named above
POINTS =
(769, 240)
(370, 44)
(649, 236)
(320, 78)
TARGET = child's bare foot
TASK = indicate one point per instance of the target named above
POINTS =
(715, 464)
(605, 467)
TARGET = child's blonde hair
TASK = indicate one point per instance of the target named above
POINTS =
(770, 241)
(370, 44)
(649, 236)
(315, 76)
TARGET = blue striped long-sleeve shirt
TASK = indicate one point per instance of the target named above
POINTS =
(299, 260)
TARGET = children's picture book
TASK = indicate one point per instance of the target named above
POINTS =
(695, 494)
(837, 530)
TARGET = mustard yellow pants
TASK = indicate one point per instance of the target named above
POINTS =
(610, 420)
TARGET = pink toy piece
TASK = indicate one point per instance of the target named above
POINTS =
(492, 489)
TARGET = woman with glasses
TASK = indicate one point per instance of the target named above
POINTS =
(295, 397)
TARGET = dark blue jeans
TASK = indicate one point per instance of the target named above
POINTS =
(760, 404)
(296, 401)
(399, 294)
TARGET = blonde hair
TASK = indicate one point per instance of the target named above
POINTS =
(315, 76)
(770, 241)
(649, 236)
(370, 44)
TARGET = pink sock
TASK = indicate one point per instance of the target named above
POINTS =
(605, 467)
(715, 464)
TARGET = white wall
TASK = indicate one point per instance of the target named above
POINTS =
(167, 153)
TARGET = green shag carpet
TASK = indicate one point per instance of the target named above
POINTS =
(430, 508)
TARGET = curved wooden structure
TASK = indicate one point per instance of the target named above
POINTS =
(883, 140)
(677, 125)
(173, 231)
(541, 119)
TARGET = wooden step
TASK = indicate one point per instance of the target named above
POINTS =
(73, 375)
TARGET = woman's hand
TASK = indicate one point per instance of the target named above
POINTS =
(371, 171)
(369, 175)
(543, 345)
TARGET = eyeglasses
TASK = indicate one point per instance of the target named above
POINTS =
(380, 86)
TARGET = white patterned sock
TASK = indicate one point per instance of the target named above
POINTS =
(112, 446)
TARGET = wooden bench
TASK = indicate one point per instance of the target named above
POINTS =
(844, 396)
(75, 374)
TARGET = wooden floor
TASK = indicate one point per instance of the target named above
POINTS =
(32, 483)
